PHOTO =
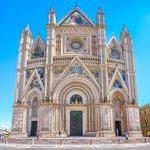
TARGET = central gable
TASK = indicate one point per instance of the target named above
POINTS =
(76, 17)
(77, 68)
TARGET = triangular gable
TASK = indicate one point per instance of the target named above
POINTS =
(114, 49)
(113, 42)
(76, 17)
(38, 49)
(77, 67)
(118, 81)
(34, 82)
(38, 42)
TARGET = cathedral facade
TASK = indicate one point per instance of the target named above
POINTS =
(75, 83)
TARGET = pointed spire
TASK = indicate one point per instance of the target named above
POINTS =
(100, 17)
(125, 32)
(27, 29)
(52, 16)
(52, 9)
(124, 29)
(125, 37)
(100, 11)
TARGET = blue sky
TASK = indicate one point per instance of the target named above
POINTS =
(16, 14)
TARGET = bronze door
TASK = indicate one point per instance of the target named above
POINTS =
(76, 123)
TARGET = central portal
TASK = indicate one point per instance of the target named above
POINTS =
(76, 123)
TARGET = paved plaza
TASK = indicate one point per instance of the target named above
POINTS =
(75, 147)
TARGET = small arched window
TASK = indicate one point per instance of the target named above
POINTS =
(34, 106)
(76, 99)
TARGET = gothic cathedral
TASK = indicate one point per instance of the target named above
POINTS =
(75, 83)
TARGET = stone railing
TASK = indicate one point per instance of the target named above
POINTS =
(114, 62)
(65, 59)
(36, 62)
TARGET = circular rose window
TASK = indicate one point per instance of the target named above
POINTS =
(76, 45)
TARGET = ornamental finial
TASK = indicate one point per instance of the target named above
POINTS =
(52, 9)
(100, 10)
(52, 15)
(27, 29)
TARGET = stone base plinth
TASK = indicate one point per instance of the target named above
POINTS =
(44, 134)
(19, 135)
(49, 134)
(90, 134)
(135, 134)
(107, 134)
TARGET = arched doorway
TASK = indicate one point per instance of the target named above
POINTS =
(119, 113)
(76, 94)
(76, 117)
(34, 116)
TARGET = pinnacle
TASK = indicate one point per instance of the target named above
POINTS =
(52, 9)
(124, 28)
(100, 10)
(27, 29)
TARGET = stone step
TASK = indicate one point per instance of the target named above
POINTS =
(75, 141)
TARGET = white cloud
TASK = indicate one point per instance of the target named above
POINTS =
(5, 125)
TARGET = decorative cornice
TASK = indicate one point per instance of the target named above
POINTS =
(51, 25)
(100, 26)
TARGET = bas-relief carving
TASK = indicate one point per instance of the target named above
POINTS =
(45, 119)
(17, 120)
(134, 119)
(105, 113)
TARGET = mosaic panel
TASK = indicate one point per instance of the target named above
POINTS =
(39, 52)
(76, 19)
(114, 53)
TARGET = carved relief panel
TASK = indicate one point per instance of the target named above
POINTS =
(17, 120)
(105, 113)
(134, 119)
